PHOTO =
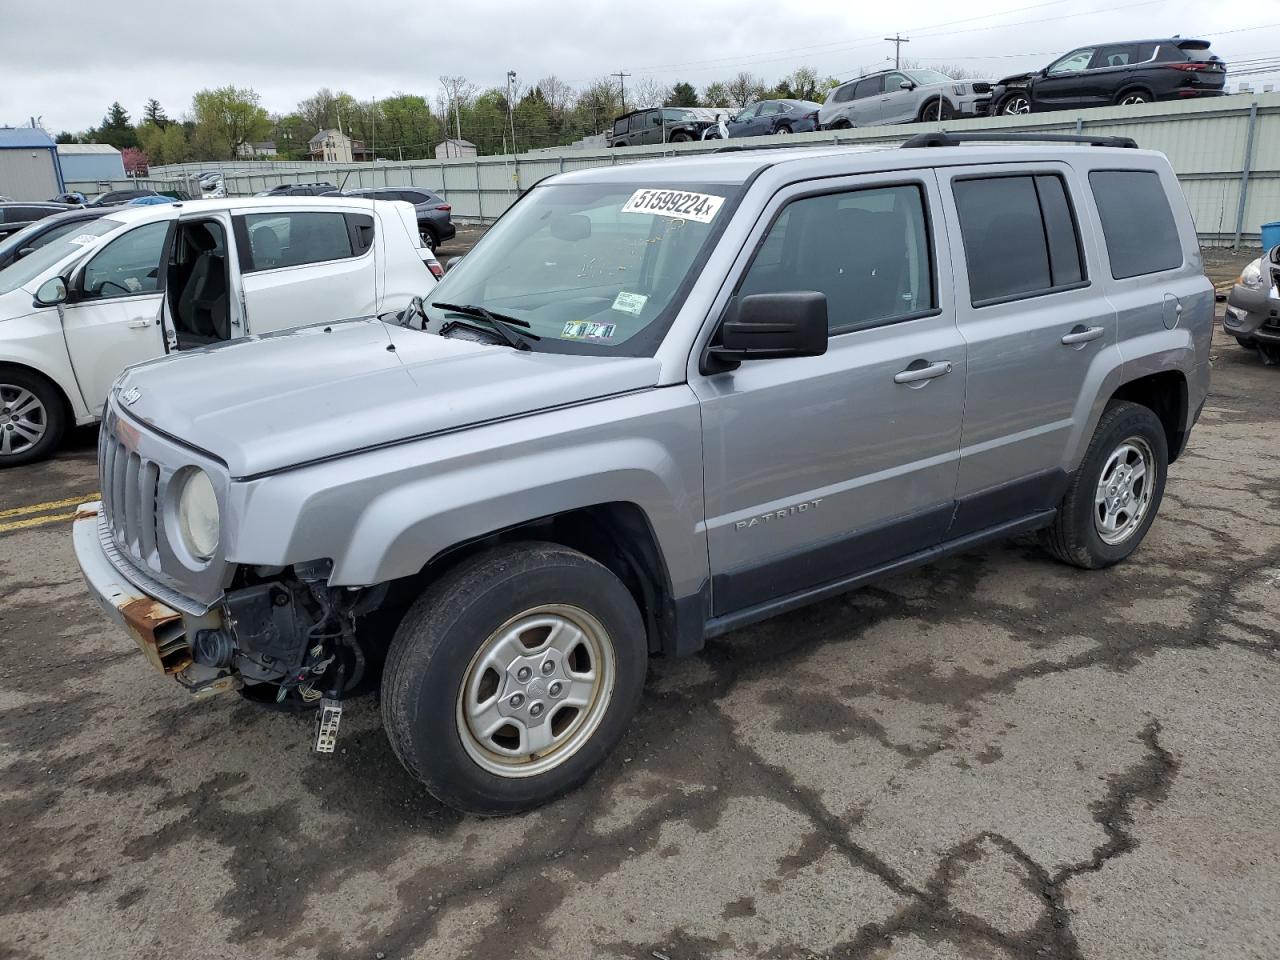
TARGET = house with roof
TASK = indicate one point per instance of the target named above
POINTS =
(454, 147)
(29, 167)
(262, 150)
(334, 146)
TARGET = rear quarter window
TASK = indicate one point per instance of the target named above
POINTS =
(1137, 222)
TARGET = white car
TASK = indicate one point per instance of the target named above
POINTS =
(145, 281)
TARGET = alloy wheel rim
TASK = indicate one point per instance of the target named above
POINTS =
(23, 419)
(1016, 106)
(1132, 99)
(536, 690)
(1123, 494)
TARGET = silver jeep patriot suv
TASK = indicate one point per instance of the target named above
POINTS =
(657, 402)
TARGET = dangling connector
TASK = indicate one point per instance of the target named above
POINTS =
(327, 719)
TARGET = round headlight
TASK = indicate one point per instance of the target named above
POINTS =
(1251, 276)
(198, 515)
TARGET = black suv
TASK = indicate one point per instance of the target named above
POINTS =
(662, 125)
(1136, 71)
(299, 190)
(15, 215)
(435, 217)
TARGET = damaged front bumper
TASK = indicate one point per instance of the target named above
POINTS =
(1253, 313)
(161, 632)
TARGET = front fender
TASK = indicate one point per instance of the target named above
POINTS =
(386, 513)
(35, 341)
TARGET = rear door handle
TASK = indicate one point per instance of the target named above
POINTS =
(1082, 335)
(928, 371)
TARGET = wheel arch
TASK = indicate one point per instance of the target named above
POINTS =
(930, 100)
(68, 406)
(1133, 88)
(1166, 395)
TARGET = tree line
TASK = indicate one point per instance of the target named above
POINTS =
(407, 126)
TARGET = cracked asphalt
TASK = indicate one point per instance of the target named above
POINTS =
(995, 756)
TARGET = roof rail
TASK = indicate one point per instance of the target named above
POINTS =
(944, 139)
(743, 147)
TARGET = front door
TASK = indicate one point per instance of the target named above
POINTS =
(305, 267)
(112, 318)
(1037, 327)
(1063, 84)
(897, 105)
(818, 468)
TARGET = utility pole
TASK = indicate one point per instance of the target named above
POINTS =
(622, 86)
(511, 107)
(897, 42)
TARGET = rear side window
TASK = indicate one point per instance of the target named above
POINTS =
(869, 87)
(843, 94)
(867, 250)
(1020, 237)
(275, 240)
(1137, 222)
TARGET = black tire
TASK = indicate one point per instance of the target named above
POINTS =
(932, 111)
(1074, 538)
(840, 125)
(1133, 97)
(784, 129)
(429, 239)
(51, 417)
(1014, 104)
(680, 137)
(434, 648)
(1246, 343)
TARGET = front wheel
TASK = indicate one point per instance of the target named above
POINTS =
(1015, 104)
(512, 678)
(681, 137)
(1113, 498)
(32, 417)
(936, 109)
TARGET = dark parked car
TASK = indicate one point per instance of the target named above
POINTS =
(662, 125)
(17, 245)
(1136, 71)
(773, 116)
(114, 198)
(435, 217)
(299, 190)
(17, 214)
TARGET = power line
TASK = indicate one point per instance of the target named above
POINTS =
(622, 86)
(897, 42)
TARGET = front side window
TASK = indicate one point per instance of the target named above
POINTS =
(591, 267)
(1073, 62)
(1020, 237)
(127, 266)
(293, 239)
(1137, 222)
(866, 250)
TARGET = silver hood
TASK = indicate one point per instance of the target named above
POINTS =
(267, 403)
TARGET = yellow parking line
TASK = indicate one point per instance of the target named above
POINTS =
(51, 505)
(35, 522)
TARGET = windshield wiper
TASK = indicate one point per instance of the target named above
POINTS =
(500, 323)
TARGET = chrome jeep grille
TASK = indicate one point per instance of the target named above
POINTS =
(130, 498)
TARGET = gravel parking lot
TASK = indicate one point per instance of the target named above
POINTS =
(994, 756)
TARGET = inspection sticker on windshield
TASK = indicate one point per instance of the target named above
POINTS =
(84, 239)
(631, 303)
(701, 207)
(587, 330)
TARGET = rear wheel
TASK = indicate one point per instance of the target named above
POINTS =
(32, 417)
(1131, 97)
(840, 125)
(784, 129)
(513, 676)
(429, 239)
(1114, 496)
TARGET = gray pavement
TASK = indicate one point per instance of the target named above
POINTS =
(994, 756)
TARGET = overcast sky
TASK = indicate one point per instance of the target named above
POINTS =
(66, 61)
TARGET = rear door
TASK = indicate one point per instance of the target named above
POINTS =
(866, 109)
(817, 468)
(113, 317)
(1041, 334)
(304, 266)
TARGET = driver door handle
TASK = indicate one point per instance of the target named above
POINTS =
(913, 373)
(139, 324)
(1082, 335)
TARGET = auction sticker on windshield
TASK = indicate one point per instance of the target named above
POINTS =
(701, 207)
(587, 330)
(84, 239)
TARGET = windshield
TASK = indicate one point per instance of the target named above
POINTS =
(16, 241)
(594, 267)
(923, 77)
(75, 241)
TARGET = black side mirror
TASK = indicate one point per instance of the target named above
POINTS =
(770, 326)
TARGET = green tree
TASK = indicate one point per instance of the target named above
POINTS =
(715, 95)
(226, 118)
(682, 95)
(116, 128)
(66, 136)
(406, 128)
(154, 113)
(598, 105)
(167, 144)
